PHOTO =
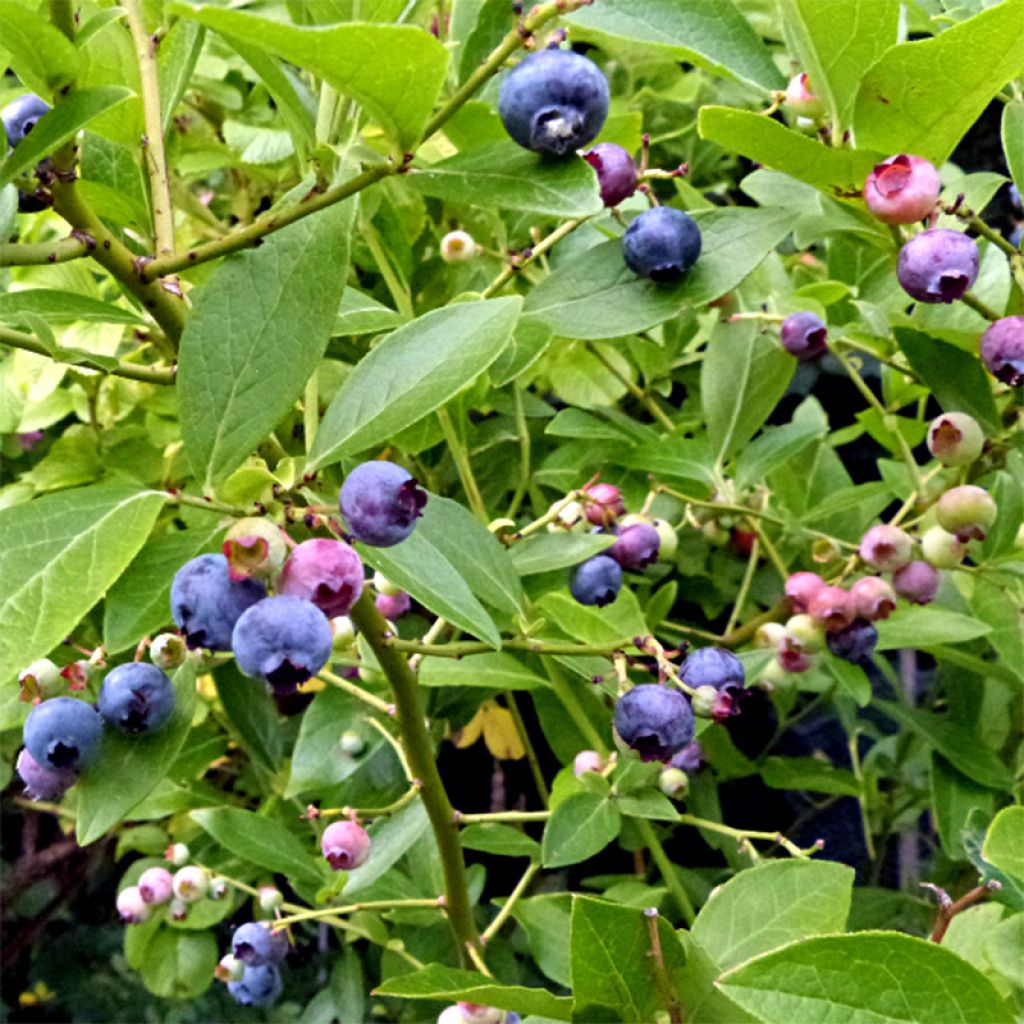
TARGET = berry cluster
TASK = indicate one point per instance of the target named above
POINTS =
(158, 890)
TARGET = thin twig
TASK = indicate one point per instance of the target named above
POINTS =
(35, 254)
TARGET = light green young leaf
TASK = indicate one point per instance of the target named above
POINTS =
(1013, 140)
(394, 71)
(179, 964)
(1004, 949)
(924, 626)
(39, 53)
(361, 314)
(547, 551)
(710, 33)
(865, 978)
(176, 61)
(1004, 844)
(921, 97)
(129, 768)
(258, 328)
(411, 373)
(954, 797)
(60, 306)
(500, 839)
(496, 671)
(62, 123)
(579, 827)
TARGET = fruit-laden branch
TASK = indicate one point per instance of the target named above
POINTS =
(409, 712)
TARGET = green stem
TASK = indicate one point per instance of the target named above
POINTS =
(358, 692)
(742, 833)
(131, 371)
(667, 870)
(748, 577)
(354, 908)
(972, 300)
(374, 812)
(35, 254)
(311, 410)
(460, 648)
(153, 143)
(398, 290)
(548, 242)
(570, 701)
(512, 816)
(419, 750)
(635, 390)
(523, 433)
(509, 905)
(210, 504)
(462, 464)
(531, 754)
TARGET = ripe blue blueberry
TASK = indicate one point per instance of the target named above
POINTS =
(326, 572)
(804, 335)
(854, 643)
(205, 603)
(256, 945)
(381, 503)
(136, 698)
(63, 733)
(938, 265)
(42, 783)
(616, 172)
(713, 666)
(637, 547)
(655, 721)
(597, 581)
(259, 986)
(662, 244)
(554, 101)
(282, 639)
(21, 116)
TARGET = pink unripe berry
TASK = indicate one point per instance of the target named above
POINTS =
(327, 572)
(918, 582)
(873, 598)
(955, 439)
(587, 761)
(886, 548)
(131, 906)
(804, 335)
(792, 659)
(833, 608)
(801, 588)
(1002, 350)
(967, 511)
(393, 606)
(902, 189)
(156, 885)
(942, 549)
(177, 853)
(346, 845)
(605, 503)
(801, 99)
(616, 172)
(476, 1013)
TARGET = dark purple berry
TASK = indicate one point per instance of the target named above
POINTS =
(918, 582)
(1002, 350)
(284, 640)
(636, 547)
(662, 244)
(855, 643)
(690, 758)
(326, 572)
(616, 172)
(554, 101)
(256, 945)
(804, 335)
(205, 603)
(42, 783)
(381, 503)
(938, 265)
(654, 721)
(63, 733)
(597, 581)
(136, 698)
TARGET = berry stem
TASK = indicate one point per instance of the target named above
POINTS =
(460, 456)
(948, 909)
(668, 871)
(509, 905)
(354, 908)
(746, 834)
(460, 648)
(32, 254)
(748, 578)
(512, 816)
(546, 243)
(972, 300)
(634, 389)
(373, 812)
(356, 691)
(420, 753)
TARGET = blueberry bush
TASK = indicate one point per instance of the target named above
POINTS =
(512, 514)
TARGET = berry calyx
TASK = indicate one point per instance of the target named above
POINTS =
(458, 247)
(253, 547)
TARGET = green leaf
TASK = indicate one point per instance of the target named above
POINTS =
(495, 671)
(62, 123)
(1001, 539)
(924, 626)
(318, 761)
(852, 679)
(131, 767)
(394, 71)
(710, 33)
(960, 746)
(838, 977)
(1004, 949)
(60, 306)
(60, 553)
(447, 984)
(921, 97)
(953, 375)
(361, 314)
(768, 906)
(775, 448)
(179, 964)
(176, 61)
(835, 43)
(1004, 843)
(501, 840)
(649, 803)
(391, 839)
(547, 551)
(954, 797)
(39, 53)
(613, 968)
(616, 623)
(810, 774)
(509, 177)
(1013, 140)
(481, 559)
(258, 328)
(264, 842)
(411, 373)
(767, 142)
(580, 826)
(595, 295)
(743, 376)
(545, 919)
(419, 568)
(139, 603)
(698, 980)
(251, 710)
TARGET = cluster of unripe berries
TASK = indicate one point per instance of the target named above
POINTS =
(640, 541)
(157, 887)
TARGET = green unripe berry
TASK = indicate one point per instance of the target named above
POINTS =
(352, 743)
(769, 636)
(168, 651)
(967, 511)
(806, 634)
(704, 700)
(942, 549)
(674, 782)
(955, 439)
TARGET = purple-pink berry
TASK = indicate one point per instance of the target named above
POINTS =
(801, 588)
(886, 548)
(902, 189)
(938, 265)
(1002, 350)
(918, 582)
(833, 608)
(393, 606)
(804, 335)
(616, 172)
(603, 503)
(326, 572)
(156, 885)
(346, 845)
(873, 598)
(42, 782)
(131, 907)
(637, 547)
